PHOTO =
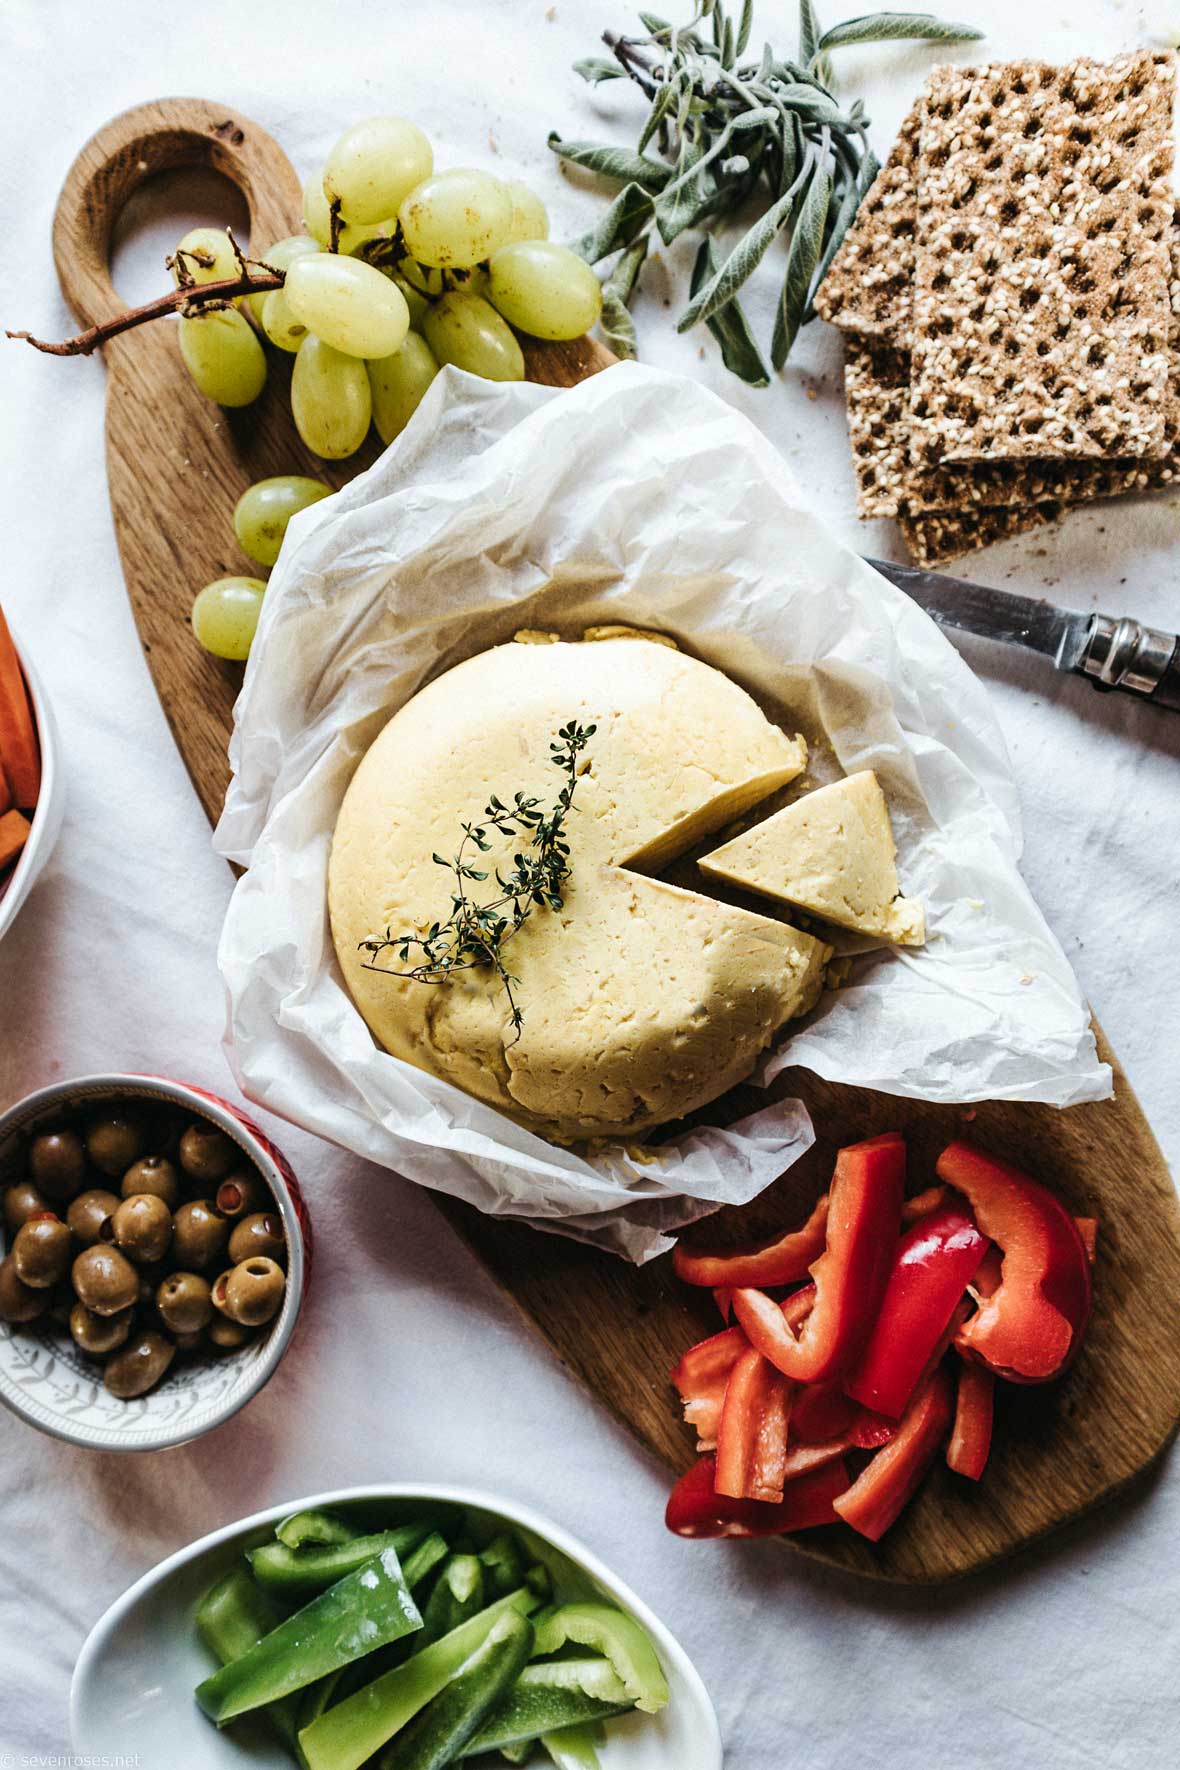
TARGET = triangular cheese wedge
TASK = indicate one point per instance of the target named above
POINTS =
(832, 853)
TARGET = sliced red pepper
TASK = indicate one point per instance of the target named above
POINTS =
(850, 1275)
(933, 1264)
(1029, 1329)
(821, 1412)
(701, 1377)
(752, 1433)
(723, 1297)
(971, 1435)
(696, 1509)
(923, 1203)
(889, 1482)
(783, 1260)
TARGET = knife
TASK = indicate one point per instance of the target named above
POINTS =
(1112, 653)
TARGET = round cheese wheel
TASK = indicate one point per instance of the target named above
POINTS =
(639, 1001)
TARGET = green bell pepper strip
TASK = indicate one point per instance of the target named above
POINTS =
(516, 1754)
(574, 1748)
(549, 1696)
(503, 1566)
(353, 1730)
(233, 1615)
(457, 1594)
(301, 1573)
(370, 1606)
(302, 1528)
(611, 1632)
(438, 1734)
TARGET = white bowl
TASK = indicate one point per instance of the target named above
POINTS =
(51, 805)
(45, 1378)
(133, 1685)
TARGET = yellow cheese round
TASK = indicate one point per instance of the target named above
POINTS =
(640, 1001)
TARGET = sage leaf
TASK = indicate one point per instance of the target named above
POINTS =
(745, 27)
(729, 327)
(897, 27)
(627, 217)
(741, 264)
(845, 214)
(807, 240)
(810, 31)
(595, 68)
(616, 324)
(612, 162)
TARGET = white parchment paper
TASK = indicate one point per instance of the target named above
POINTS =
(637, 497)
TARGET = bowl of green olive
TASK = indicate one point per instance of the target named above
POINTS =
(155, 1254)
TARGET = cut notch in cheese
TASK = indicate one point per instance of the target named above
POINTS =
(831, 853)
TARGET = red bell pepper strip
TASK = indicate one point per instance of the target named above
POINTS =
(696, 1509)
(933, 1264)
(971, 1435)
(783, 1260)
(1029, 1329)
(752, 1433)
(890, 1481)
(701, 1377)
(822, 1412)
(850, 1275)
(723, 1297)
(923, 1203)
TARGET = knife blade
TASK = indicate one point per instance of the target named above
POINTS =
(1110, 652)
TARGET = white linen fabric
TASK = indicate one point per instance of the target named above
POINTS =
(408, 1363)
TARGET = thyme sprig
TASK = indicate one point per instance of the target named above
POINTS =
(731, 132)
(475, 934)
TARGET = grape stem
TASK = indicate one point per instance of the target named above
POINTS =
(189, 302)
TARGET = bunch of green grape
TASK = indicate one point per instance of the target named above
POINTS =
(225, 613)
(401, 269)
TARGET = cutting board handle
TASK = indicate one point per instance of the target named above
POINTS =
(154, 138)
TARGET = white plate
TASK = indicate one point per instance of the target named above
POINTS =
(133, 1684)
(51, 805)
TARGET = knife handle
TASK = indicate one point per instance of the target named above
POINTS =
(1141, 660)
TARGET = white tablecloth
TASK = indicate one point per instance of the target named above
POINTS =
(409, 1364)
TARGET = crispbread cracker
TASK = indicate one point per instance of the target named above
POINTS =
(939, 535)
(876, 380)
(869, 285)
(1041, 301)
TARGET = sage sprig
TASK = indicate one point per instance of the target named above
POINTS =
(728, 132)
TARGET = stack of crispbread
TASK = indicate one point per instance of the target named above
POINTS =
(1010, 295)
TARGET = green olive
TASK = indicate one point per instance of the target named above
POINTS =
(87, 1214)
(105, 1280)
(260, 1234)
(207, 1154)
(153, 1174)
(254, 1291)
(41, 1251)
(184, 1302)
(140, 1364)
(228, 1335)
(191, 1342)
(22, 1201)
(114, 1142)
(218, 1290)
(57, 1164)
(99, 1334)
(242, 1193)
(143, 1227)
(18, 1300)
(199, 1235)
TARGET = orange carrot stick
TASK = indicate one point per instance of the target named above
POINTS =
(14, 833)
(18, 735)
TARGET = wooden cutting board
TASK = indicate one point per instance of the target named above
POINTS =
(176, 466)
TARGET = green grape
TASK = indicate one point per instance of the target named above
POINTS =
(530, 218)
(284, 328)
(225, 616)
(398, 383)
(544, 289)
(374, 167)
(317, 216)
(422, 277)
(206, 243)
(223, 356)
(347, 303)
(456, 219)
(280, 257)
(467, 331)
(415, 301)
(263, 511)
(330, 399)
(353, 236)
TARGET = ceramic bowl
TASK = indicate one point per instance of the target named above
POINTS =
(45, 1378)
(47, 818)
(133, 1683)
